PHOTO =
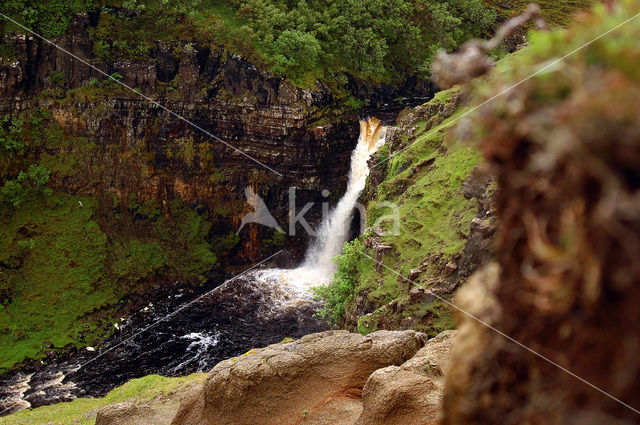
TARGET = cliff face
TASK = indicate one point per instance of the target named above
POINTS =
(430, 225)
(144, 150)
(140, 197)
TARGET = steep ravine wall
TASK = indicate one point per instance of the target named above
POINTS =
(144, 150)
(141, 199)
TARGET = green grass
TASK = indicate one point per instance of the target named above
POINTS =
(56, 253)
(62, 276)
(439, 316)
(434, 215)
(425, 182)
(82, 411)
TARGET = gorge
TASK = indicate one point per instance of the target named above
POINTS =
(239, 253)
(255, 308)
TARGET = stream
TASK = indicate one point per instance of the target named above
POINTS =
(188, 332)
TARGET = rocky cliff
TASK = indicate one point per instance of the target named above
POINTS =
(144, 150)
(141, 198)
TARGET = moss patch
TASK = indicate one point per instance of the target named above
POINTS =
(53, 257)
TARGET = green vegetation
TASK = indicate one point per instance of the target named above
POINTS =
(82, 411)
(301, 40)
(29, 184)
(49, 18)
(10, 130)
(61, 274)
(425, 182)
(553, 11)
(53, 259)
(379, 40)
(66, 261)
(340, 291)
(310, 39)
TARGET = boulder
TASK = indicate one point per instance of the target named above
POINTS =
(410, 394)
(318, 379)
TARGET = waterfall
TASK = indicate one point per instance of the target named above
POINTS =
(334, 230)
(245, 313)
(318, 266)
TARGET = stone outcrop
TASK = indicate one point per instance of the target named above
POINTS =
(278, 384)
(333, 377)
(409, 394)
(142, 149)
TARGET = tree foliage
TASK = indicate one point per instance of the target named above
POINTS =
(302, 40)
(47, 18)
(369, 38)
(28, 183)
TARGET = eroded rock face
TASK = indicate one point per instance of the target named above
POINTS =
(411, 393)
(283, 383)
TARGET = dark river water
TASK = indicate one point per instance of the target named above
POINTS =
(250, 311)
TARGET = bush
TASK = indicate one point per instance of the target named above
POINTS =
(294, 53)
(341, 289)
(28, 184)
(11, 133)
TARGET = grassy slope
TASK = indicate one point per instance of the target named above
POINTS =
(434, 214)
(82, 411)
(67, 273)
(62, 252)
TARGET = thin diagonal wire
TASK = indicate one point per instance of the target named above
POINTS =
(515, 341)
(147, 98)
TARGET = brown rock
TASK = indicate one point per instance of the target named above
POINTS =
(416, 294)
(131, 414)
(414, 274)
(406, 322)
(410, 393)
(450, 268)
(306, 379)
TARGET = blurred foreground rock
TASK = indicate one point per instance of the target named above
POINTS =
(565, 147)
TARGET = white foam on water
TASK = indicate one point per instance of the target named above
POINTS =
(318, 267)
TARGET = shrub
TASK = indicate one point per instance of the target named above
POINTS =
(11, 133)
(336, 294)
(28, 184)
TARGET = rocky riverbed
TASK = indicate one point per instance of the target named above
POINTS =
(227, 321)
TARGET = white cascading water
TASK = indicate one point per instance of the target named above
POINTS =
(318, 266)
(276, 289)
